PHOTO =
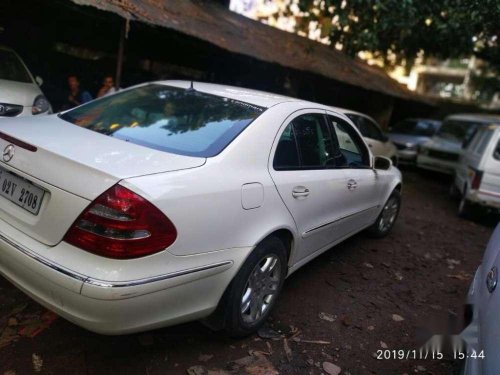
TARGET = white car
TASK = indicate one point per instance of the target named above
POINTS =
(20, 93)
(442, 152)
(379, 143)
(477, 177)
(482, 334)
(167, 202)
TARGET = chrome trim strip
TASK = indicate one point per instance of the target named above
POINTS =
(44, 261)
(109, 284)
(339, 219)
(122, 284)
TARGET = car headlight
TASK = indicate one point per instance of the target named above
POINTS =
(411, 146)
(40, 105)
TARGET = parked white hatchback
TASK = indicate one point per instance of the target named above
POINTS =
(20, 93)
(171, 201)
(442, 152)
(379, 143)
(477, 177)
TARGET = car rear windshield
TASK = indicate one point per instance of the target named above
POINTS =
(165, 118)
(11, 68)
(416, 127)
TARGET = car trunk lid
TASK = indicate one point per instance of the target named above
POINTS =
(73, 166)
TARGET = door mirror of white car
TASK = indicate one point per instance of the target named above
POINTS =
(39, 80)
(382, 163)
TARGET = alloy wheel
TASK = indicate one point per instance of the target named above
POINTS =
(389, 214)
(261, 289)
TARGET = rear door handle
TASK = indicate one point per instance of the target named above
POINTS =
(352, 184)
(300, 192)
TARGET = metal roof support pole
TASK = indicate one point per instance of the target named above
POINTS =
(120, 54)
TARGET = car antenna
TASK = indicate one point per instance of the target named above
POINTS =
(191, 87)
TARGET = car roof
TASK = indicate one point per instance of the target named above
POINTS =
(477, 117)
(250, 96)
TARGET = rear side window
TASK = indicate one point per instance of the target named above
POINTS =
(366, 127)
(483, 143)
(180, 121)
(352, 149)
(496, 153)
(304, 144)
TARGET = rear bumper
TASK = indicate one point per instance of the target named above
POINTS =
(110, 307)
(437, 165)
(485, 199)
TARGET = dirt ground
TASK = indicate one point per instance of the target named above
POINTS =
(339, 309)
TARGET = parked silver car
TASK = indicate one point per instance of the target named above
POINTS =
(409, 134)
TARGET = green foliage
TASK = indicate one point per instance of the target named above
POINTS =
(403, 28)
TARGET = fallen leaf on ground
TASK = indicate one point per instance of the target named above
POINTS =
(32, 328)
(327, 317)
(331, 369)
(197, 370)
(288, 351)
(397, 318)
(383, 345)
(369, 265)
(37, 362)
(268, 333)
(321, 342)
(8, 335)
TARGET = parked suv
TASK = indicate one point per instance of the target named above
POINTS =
(442, 152)
(478, 174)
(378, 142)
(20, 93)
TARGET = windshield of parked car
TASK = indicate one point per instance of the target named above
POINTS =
(185, 122)
(11, 68)
(416, 127)
(457, 130)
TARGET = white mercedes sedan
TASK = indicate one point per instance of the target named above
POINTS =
(172, 201)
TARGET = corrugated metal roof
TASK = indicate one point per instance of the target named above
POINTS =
(213, 23)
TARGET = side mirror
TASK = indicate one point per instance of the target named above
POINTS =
(39, 80)
(382, 163)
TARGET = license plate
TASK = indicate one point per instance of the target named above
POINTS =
(21, 191)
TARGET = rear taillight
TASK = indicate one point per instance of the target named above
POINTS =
(121, 224)
(476, 179)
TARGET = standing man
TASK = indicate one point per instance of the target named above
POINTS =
(108, 87)
(76, 95)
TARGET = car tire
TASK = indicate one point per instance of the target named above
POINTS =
(453, 191)
(263, 272)
(465, 208)
(387, 217)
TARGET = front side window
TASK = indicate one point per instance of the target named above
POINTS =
(366, 127)
(180, 121)
(304, 144)
(11, 68)
(352, 150)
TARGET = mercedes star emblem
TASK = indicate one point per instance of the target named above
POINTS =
(8, 153)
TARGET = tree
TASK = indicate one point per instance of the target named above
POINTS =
(398, 30)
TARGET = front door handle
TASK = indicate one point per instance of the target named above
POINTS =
(352, 184)
(300, 192)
